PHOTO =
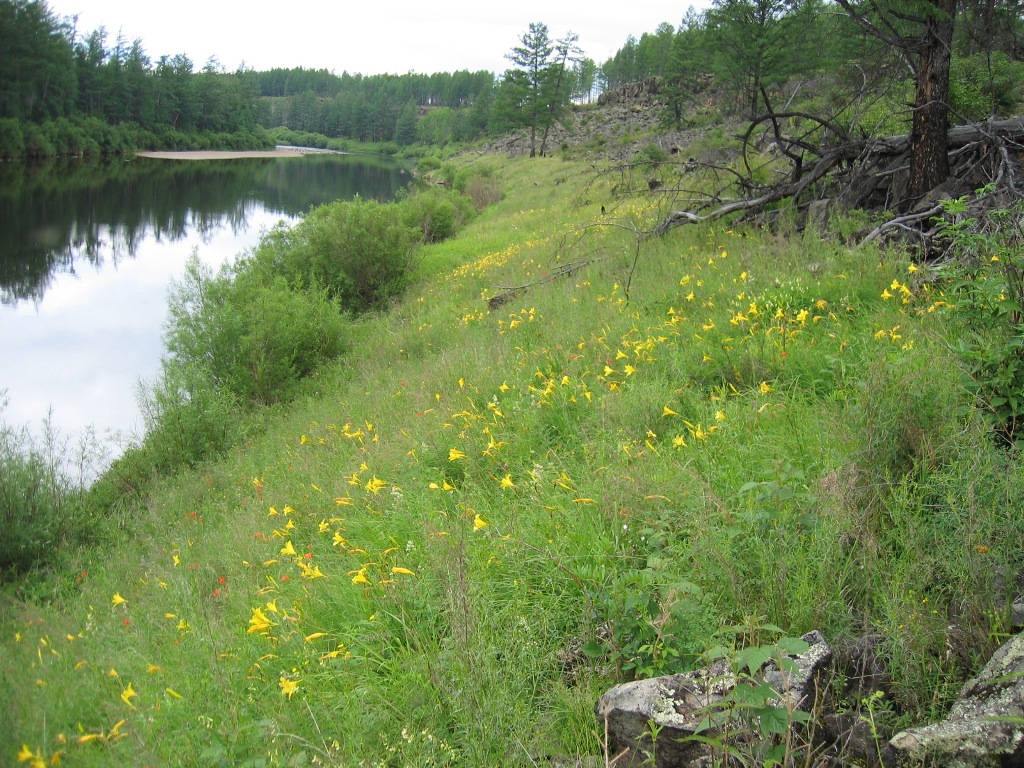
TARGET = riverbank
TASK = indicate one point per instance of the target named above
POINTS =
(218, 154)
(457, 537)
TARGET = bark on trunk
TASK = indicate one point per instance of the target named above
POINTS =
(929, 163)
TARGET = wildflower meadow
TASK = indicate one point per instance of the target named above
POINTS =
(452, 539)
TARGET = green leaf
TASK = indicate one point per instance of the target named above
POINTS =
(773, 720)
(793, 645)
(754, 658)
(593, 649)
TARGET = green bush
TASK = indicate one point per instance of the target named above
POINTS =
(37, 144)
(987, 281)
(39, 501)
(437, 213)
(360, 252)
(238, 335)
(428, 163)
(985, 86)
(12, 141)
(187, 421)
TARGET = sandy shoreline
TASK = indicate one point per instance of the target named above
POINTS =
(217, 154)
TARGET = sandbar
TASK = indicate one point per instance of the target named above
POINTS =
(218, 154)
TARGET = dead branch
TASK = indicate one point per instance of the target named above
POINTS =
(871, 173)
(508, 293)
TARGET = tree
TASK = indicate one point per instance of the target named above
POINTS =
(684, 67)
(559, 84)
(921, 33)
(526, 88)
(757, 42)
(405, 126)
(36, 76)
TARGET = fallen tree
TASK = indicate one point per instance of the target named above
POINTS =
(855, 173)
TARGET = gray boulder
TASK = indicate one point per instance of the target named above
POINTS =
(985, 727)
(672, 707)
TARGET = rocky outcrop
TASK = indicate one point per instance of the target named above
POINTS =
(985, 727)
(644, 91)
(657, 717)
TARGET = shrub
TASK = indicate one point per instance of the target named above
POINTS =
(37, 144)
(39, 498)
(12, 141)
(428, 163)
(437, 213)
(987, 280)
(983, 86)
(484, 191)
(360, 252)
(236, 334)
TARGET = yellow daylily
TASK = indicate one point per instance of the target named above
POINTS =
(128, 694)
(288, 687)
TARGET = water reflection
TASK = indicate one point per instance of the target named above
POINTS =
(87, 252)
(57, 217)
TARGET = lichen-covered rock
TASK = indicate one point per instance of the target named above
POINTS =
(674, 706)
(985, 727)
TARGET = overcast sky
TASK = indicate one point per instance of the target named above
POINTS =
(370, 36)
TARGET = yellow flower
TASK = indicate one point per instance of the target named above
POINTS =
(35, 759)
(400, 570)
(375, 485)
(259, 622)
(666, 411)
(886, 294)
(288, 687)
(765, 387)
(288, 549)
(128, 694)
(360, 577)
(454, 454)
(678, 442)
(506, 482)
(117, 599)
(314, 636)
(173, 694)
(479, 523)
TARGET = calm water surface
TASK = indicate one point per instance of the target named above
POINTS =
(88, 249)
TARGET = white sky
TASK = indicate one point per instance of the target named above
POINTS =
(366, 37)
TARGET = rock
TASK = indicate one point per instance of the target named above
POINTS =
(675, 705)
(984, 728)
(1017, 615)
(817, 215)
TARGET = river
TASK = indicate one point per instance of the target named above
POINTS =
(89, 248)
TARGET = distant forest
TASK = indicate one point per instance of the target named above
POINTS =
(63, 91)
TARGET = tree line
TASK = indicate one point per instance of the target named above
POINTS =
(64, 91)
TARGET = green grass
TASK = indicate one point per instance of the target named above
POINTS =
(753, 432)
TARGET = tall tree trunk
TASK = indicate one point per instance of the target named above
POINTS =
(929, 162)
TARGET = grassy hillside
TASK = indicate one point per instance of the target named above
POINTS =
(715, 429)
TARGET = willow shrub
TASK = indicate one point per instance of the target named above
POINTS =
(438, 213)
(360, 252)
(38, 499)
(253, 339)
